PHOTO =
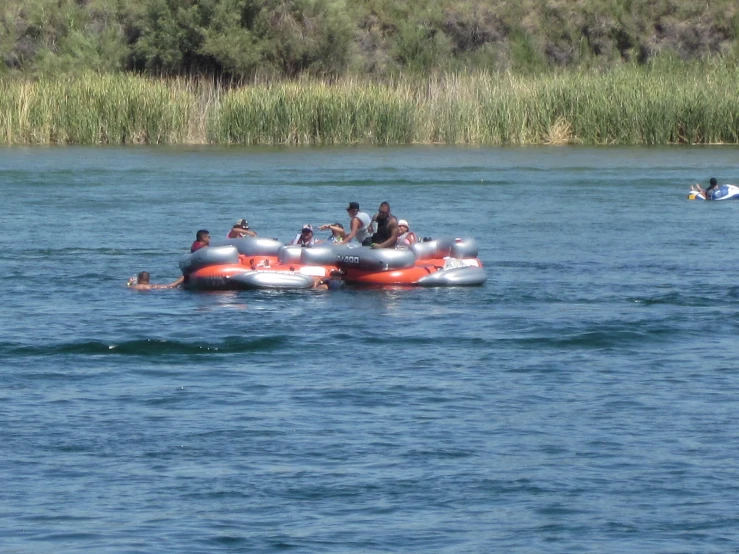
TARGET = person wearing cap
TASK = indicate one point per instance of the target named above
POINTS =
(337, 232)
(202, 239)
(359, 224)
(713, 192)
(387, 232)
(406, 237)
(241, 229)
(332, 282)
(305, 236)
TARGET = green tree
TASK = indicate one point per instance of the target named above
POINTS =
(169, 37)
(420, 48)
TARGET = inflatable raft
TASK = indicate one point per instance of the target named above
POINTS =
(257, 263)
(241, 266)
(436, 263)
(724, 192)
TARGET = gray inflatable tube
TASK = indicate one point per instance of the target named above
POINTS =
(251, 246)
(380, 259)
(320, 254)
(464, 248)
(433, 249)
(207, 256)
(289, 254)
(466, 276)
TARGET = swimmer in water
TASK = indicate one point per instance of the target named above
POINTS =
(142, 282)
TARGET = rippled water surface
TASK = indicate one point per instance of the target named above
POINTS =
(583, 400)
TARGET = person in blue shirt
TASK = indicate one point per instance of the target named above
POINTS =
(710, 191)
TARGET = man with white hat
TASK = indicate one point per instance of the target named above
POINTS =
(305, 237)
(406, 237)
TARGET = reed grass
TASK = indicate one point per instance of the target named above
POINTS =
(694, 104)
(96, 109)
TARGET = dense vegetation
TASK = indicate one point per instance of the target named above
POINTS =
(262, 39)
(369, 71)
(628, 105)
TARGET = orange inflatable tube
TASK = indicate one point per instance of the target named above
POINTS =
(408, 276)
(228, 270)
(258, 262)
(221, 270)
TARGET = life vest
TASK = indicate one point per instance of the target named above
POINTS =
(406, 239)
(363, 231)
(299, 240)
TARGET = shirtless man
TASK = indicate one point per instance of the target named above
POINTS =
(241, 229)
(142, 282)
(387, 228)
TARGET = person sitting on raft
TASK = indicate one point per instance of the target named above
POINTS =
(305, 237)
(359, 224)
(406, 237)
(337, 232)
(202, 238)
(241, 229)
(387, 228)
(710, 191)
(142, 282)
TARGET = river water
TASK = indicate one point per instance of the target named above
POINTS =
(583, 400)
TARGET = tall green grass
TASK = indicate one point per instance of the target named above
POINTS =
(96, 110)
(694, 104)
(316, 113)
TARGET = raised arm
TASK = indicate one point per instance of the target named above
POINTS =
(333, 228)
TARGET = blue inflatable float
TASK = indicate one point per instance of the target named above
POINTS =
(724, 192)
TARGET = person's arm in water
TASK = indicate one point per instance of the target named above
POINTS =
(173, 284)
(320, 283)
(134, 284)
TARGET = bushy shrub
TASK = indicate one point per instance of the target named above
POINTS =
(244, 39)
(420, 48)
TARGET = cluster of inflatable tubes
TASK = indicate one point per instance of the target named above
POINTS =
(724, 192)
(260, 263)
